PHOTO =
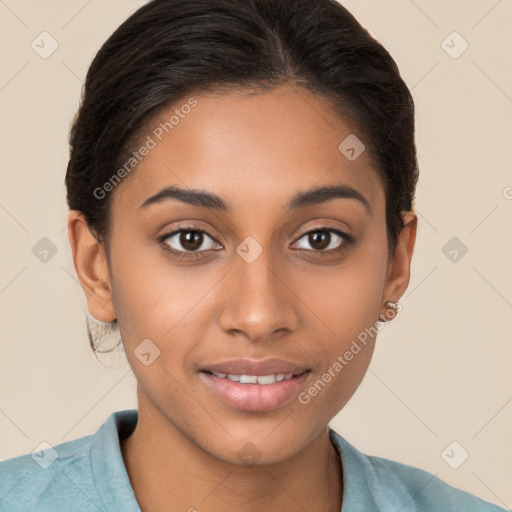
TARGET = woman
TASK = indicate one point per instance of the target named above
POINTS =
(240, 184)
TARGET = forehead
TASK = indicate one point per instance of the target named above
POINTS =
(249, 146)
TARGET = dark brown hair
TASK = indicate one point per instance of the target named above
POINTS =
(168, 49)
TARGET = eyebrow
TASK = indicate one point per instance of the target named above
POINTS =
(302, 199)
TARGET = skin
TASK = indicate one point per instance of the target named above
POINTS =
(251, 149)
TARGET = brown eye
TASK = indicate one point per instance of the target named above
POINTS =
(188, 240)
(319, 240)
(191, 240)
(324, 240)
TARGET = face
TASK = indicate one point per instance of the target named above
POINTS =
(257, 276)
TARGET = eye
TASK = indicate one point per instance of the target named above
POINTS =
(188, 240)
(325, 240)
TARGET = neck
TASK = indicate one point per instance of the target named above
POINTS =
(168, 471)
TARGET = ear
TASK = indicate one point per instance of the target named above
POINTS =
(91, 266)
(399, 267)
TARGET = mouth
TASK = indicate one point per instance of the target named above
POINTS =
(255, 386)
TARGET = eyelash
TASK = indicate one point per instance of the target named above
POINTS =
(347, 241)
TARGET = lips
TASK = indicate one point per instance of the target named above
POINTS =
(256, 386)
(257, 368)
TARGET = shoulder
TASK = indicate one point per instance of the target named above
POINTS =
(45, 475)
(425, 490)
(86, 474)
(396, 486)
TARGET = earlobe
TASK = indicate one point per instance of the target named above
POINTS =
(399, 269)
(90, 261)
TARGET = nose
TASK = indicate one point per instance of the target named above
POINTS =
(259, 302)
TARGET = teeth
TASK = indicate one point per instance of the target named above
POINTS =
(248, 379)
(253, 379)
(267, 379)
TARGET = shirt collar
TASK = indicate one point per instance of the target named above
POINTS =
(108, 469)
(113, 483)
(358, 477)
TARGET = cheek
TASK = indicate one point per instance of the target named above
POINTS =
(172, 307)
(154, 297)
(347, 302)
(346, 298)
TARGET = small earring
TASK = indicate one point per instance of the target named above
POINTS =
(395, 306)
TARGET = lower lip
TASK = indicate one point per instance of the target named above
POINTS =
(254, 397)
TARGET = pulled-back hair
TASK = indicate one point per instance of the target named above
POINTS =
(169, 49)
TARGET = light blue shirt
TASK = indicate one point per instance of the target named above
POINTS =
(88, 474)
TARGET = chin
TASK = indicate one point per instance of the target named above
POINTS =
(260, 445)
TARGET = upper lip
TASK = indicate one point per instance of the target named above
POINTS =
(257, 367)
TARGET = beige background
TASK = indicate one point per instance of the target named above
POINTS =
(441, 371)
